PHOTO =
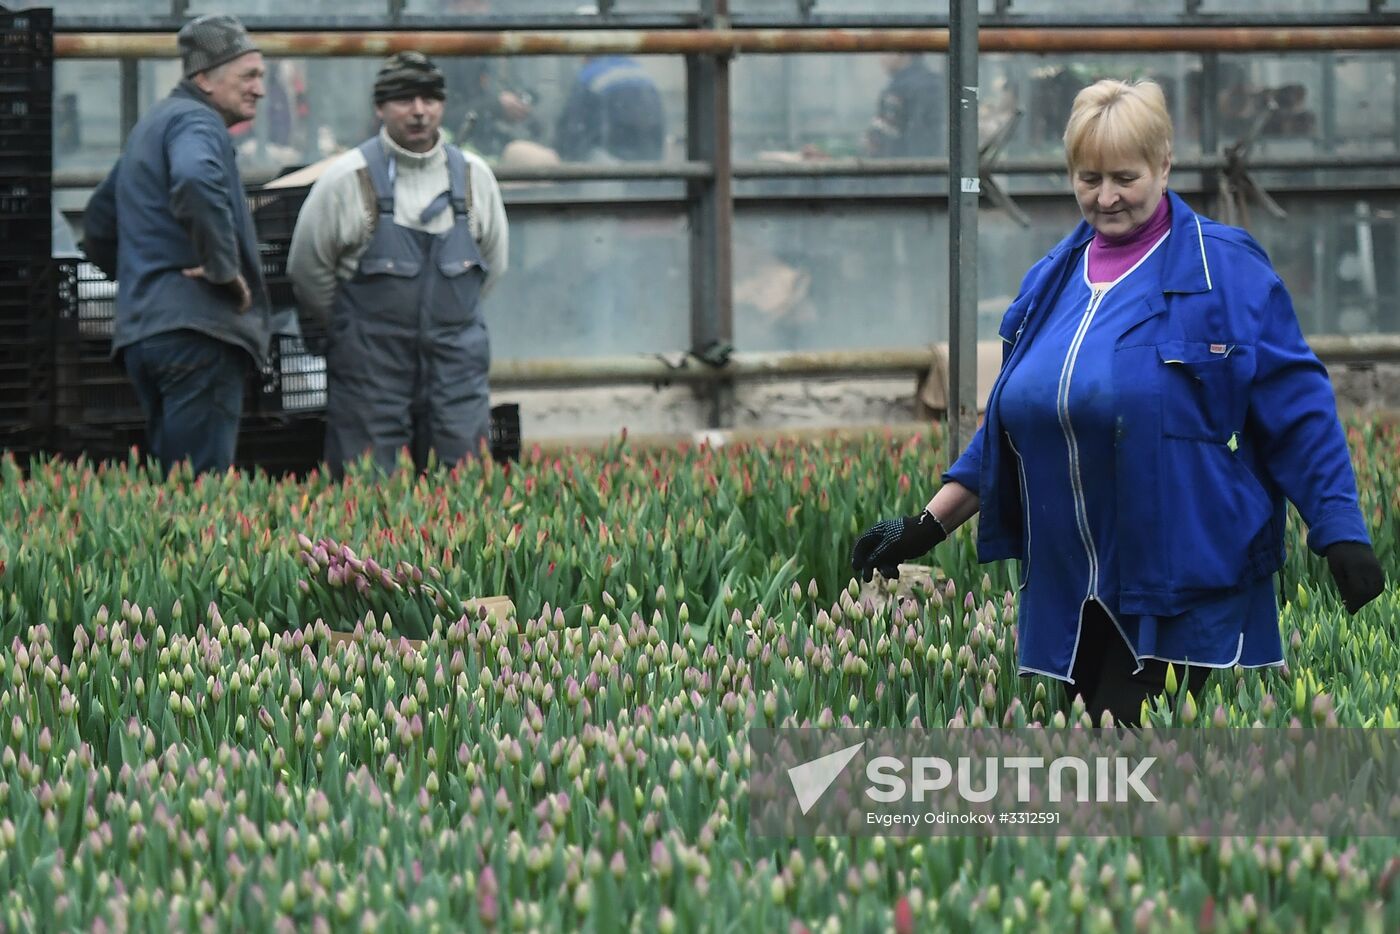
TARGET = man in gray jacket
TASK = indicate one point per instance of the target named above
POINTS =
(395, 246)
(170, 222)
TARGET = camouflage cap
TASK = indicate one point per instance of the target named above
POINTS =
(209, 41)
(408, 74)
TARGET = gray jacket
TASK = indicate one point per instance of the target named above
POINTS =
(173, 201)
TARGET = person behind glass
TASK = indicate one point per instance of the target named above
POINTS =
(170, 222)
(486, 109)
(614, 111)
(909, 118)
(394, 248)
(1155, 407)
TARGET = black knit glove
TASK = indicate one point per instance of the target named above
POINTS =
(1357, 573)
(884, 546)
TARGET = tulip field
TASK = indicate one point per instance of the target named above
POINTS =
(180, 748)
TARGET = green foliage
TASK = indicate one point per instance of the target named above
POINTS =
(180, 747)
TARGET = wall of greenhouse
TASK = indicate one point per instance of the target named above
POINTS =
(602, 268)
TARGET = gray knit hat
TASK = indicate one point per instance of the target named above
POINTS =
(209, 41)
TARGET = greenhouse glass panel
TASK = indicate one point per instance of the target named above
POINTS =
(592, 284)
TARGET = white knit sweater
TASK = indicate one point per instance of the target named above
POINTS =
(335, 224)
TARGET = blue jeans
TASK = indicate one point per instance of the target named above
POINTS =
(190, 386)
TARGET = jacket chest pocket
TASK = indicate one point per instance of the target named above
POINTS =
(1198, 390)
(393, 267)
(461, 281)
(388, 291)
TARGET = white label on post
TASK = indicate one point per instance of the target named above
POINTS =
(972, 185)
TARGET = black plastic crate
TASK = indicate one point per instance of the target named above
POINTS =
(88, 298)
(26, 197)
(26, 80)
(24, 163)
(272, 255)
(281, 446)
(89, 387)
(15, 105)
(296, 381)
(275, 212)
(22, 271)
(505, 432)
(23, 331)
(275, 217)
(25, 300)
(103, 442)
(26, 375)
(25, 131)
(25, 236)
(25, 71)
(14, 57)
(28, 31)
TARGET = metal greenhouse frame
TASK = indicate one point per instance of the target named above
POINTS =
(708, 39)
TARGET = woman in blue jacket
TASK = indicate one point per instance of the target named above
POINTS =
(1156, 406)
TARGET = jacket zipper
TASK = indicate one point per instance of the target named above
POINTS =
(1081, 510)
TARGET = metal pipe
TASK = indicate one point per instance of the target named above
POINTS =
(68, 23)
(643, 441)
(1356, 348)
(682, 368)
(728, 42)
(563, 172)
(964, 193)
(590, 204)
(929, 166)
(1213, 163)
(826, 168)
(582, 171)
(556, 445)
(865, 168)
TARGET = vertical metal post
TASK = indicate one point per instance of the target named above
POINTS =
(1328, 106)
(964, 188)
(1395, 101)
(1210, 125)
(130, 108)
(711, 210)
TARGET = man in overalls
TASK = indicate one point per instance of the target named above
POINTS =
(395, 246)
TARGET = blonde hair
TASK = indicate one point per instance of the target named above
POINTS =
(1113, 120)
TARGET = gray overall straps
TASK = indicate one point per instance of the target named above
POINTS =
(408, 356)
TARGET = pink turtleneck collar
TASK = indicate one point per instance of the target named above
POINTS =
(1110, 257)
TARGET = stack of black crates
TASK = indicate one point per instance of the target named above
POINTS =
(26, 227)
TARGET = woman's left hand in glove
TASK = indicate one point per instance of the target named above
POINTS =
(1357, 572)
(884, 545)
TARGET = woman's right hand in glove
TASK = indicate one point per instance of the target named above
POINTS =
(885, 545)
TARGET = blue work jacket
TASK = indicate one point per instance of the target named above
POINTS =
(1222, 412)
(174, 201)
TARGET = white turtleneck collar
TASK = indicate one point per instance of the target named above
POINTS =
(407, 158)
